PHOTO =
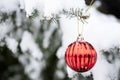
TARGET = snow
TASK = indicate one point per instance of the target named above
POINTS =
(103, 70)
(12, 44)
(48, 7)
(48, 34)
(4, 30)
(22, 4)
(8, 5)
(28, 44)
(18, 18)
(102, 31)
(29, 6)
(60, 74)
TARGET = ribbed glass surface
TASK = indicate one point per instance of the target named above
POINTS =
(80, 56)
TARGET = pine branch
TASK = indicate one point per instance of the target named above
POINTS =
(78, 13)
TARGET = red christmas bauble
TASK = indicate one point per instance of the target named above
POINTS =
(80, 56)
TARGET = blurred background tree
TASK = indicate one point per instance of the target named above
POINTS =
(11, 68)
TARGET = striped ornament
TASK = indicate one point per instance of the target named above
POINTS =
(80, 56)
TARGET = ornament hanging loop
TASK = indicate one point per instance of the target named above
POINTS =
(80, 38)
(80, 31)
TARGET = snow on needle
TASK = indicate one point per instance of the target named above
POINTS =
(78, 13)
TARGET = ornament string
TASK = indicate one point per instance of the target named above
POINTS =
(80, 34)
(80, 29)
